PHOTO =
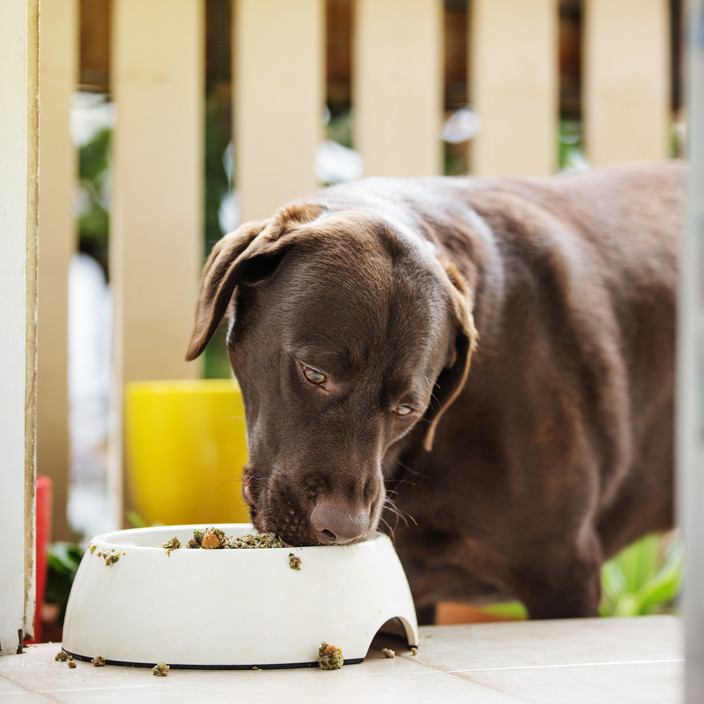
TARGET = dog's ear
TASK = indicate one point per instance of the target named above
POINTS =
(247, 255)
(452, 378)
(217, 284)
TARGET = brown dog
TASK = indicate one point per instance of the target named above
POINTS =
(354, 315)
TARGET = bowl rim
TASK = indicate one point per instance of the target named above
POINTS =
(107, 539)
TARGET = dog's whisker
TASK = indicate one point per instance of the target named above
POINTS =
(392, 534)
(400, 514)
(228, 480)
(431, 382)
(410, 471)
(406, 518)
(404, 514)
(398, 483)
(398, 518)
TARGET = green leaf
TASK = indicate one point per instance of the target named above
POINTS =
(638, 562)
(627, 604)
(644, 578)
(613, 581)
(513, 610)
(94, 157)
(62, 563)
(135, 520)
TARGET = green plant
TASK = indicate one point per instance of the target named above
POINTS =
(570, 145)
(136, 521)
(644, 578)
(93, 215)
(62, 563)
(509, 611)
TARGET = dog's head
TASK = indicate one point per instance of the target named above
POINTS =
(345, 332)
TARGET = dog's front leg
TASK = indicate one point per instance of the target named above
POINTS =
(560, 583)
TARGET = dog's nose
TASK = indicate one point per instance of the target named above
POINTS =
(335, 525)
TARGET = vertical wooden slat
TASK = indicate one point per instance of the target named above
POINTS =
(513, 85)
(278, 69)
(156, 225)
(156, 230)
(397, 86)
(19, 59)
(58, 75)
(626, 87)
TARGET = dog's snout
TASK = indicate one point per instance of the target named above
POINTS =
(334, 524)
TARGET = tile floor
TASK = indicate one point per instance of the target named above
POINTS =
(624, 661)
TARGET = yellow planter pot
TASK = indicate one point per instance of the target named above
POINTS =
(186, 449)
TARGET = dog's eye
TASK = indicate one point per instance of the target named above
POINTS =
(314, 376)
(402, 410)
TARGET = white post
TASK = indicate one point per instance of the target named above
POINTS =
(691, 371)
(19, 60)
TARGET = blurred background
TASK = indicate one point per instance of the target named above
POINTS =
(166, 123)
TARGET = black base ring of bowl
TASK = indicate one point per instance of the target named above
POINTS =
(282, 666)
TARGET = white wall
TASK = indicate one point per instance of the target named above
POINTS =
(18, 219)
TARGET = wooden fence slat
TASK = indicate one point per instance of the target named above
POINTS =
(156, 219)
(58, 69)
(278, 73)
(514, 85)
(397, 86)
(156, 229)
(626, 80)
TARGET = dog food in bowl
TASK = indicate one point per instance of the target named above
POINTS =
(216, 539)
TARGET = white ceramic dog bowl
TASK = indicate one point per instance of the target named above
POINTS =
(232, 608)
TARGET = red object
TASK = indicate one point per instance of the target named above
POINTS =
(43, 499)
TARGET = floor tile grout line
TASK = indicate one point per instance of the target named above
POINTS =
(488, 687)
(433, 669)
(568, 665)
(15, 683)
(92, 688)
(24, 690)
(49, 696)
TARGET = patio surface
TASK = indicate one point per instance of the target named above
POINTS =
(585, 661)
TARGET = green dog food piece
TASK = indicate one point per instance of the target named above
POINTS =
(330, 657)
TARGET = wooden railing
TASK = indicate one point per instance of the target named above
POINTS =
(278, 69)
